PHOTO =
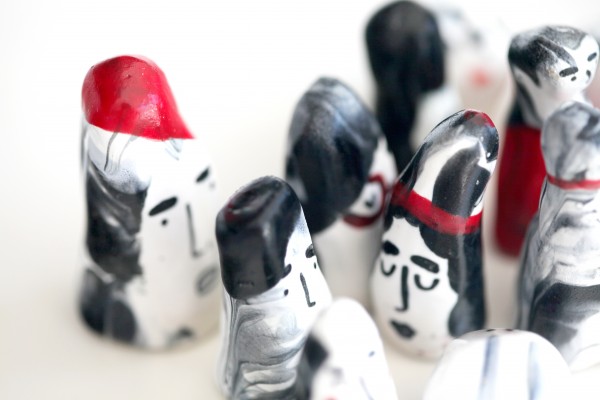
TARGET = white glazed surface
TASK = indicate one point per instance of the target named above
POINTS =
(46, 352)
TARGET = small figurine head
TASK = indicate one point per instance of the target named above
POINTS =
(343, 357)
(333, 137)
(571, 146)
(430, 262)
(499, 364)
(553, 62)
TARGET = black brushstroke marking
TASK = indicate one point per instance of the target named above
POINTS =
(490, 369)
(203, 175)
(425, 263)
(370, 203)
(121, 322)
(574, 78)
(95, 297)
(310, 251)
(306, 294)
(403, 289)
(286, 292)
(404, 330)
(163, 206)
(110, 142)
(387, 273)
(422, 287)
(592, 56)
(207, 280)
(195, 252)
(568, 71)
(390, 248)
(164, 222)
(588, 73)
(287, 270)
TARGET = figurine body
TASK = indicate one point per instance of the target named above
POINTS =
(498, 364)
(430, 263)
(339, 166)
(343, 357)
(151, 266)
(560, 284)
(551, 65)
(274, 290)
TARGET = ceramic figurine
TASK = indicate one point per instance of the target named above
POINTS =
(427, 283)
(343, 357)
(560, 284)
(151, 262)
(407, 57)
(551, 65)
(274, 290)
(339, 166)
(500, 364)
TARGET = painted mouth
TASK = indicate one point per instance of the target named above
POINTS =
(404, 330)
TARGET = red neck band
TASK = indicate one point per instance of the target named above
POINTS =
(433, 216)
(360, 221)
(571, 185)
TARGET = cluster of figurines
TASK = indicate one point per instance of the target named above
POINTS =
(161, 258)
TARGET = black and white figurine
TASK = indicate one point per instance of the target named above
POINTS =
(427, 283)
(151, 262)
(551, 65)
(343, 357)
(500, 364)
(274, 290)
(339, 166)
(560, 278)
(407, 57)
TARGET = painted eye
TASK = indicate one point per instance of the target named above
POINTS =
(568, 71)
(423, 287)
(592, 56)
(203, 175)
(164, 222)
(390, 248)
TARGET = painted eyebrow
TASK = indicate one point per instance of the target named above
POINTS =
(592, 56)
(568, 71)
(390, 248)
(203, 175)
(163, 206)
(426, 264)
(310, 251)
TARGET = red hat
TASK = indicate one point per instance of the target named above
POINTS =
(131, 95)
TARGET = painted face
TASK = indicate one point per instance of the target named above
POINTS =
(575, 77)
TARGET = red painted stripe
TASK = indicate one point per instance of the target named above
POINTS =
(131, 95)
(583, 184)
(433, 216)
(361, 222)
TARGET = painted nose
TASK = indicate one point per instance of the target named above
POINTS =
(403, 290)
(194, 251)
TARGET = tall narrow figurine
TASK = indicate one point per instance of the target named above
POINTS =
(343, 357)
(274, 290)
(339, 166)
(560, 283)
(151, 266)
(551, 65)
(427, 283)
(500, 364)
(407, 57)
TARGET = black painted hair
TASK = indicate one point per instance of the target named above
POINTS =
(253, 230)
(406, 53)
(534, 50)
(456, 190)
(314, 355)
(333, 138)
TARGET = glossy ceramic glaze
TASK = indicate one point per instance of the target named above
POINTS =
(150, 259)
(430, 262)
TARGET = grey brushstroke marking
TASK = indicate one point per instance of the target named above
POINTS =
(110, 142)
(490, 369)
(195, 252)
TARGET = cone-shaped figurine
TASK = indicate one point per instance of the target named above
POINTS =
(274, 290)
(406, 53)
(500, 364)
(551, 65)
(151, 262)
(343, 357)
(339, 166)
(560, 284)
(427, 283)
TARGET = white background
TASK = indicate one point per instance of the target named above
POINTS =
(236, 69)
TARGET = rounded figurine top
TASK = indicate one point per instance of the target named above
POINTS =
(253, 230)
(130, 94)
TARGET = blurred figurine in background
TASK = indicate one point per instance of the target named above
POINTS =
(427, 283)
(551, 65)
(500, 364)
(274, 290)
(343, 357)
(151, 266)
(560, 283)
(339, 166)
